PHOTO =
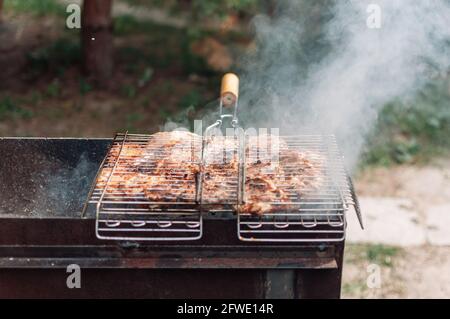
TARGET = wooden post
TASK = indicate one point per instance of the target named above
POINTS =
(1, 10)
(97, 40)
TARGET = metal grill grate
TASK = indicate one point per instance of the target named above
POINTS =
(143, 193)
(139, 167)
(315, 209)
(219, 187)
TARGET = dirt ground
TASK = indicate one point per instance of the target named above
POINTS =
(413, 272)
(406, 272)
(424, 184)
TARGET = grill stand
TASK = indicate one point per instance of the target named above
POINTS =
(35, 251)
(35, 265)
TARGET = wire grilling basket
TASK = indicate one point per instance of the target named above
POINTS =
(279, 189)
(314, 211)
(121, 192)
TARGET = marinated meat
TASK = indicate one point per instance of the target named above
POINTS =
(167, 167)
(164, 169)
(220, 170)
(277, 176)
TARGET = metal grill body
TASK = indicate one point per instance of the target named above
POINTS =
(44, 183)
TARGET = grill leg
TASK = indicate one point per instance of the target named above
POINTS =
(279, 284)
(321, 283)
(318, 284)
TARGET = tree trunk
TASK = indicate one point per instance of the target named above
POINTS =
(1, 10)
(97, 40)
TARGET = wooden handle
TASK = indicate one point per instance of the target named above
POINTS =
(229, 90)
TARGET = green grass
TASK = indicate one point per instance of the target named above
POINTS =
(127, 24)
(412, 132)
(192, 99)
(166, 46)
(379, 254)
(10, 109)
(129, 91)
(220, 9)
(53, 89)
(354, 288)
(54, 58)
(35, 7)
(201, 8)
(356, 260)
(131, 120)
(84, 86)
(145, 77)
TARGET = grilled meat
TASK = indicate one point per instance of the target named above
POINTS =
(163, 169)
(276, 176)
(167, 167)
(220, 170)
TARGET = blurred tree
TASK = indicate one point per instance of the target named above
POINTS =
(97, 40)
(1, 10)
(201, 9)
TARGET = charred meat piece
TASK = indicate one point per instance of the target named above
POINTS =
(277, 175)
(162, 169)
(166, 169)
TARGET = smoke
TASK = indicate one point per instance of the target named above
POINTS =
(61, 190)
(67, 188)
(328, 72)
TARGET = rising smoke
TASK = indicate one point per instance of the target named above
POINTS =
(318, 66)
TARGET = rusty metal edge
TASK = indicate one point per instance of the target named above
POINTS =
(169, 263)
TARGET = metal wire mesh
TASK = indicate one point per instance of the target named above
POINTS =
(158, 187)
(313, 207)
(143, 193)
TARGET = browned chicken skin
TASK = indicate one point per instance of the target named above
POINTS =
(167, 169)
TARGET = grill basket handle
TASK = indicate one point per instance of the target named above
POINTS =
(229, 90)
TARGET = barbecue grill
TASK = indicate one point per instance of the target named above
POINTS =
(126, 213)
(195, 246)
